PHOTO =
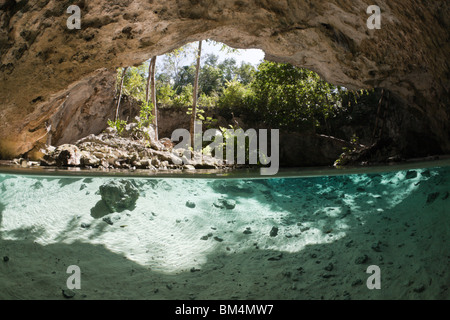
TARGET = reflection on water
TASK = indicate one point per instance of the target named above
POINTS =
(177, 225)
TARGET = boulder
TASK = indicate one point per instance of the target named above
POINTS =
(119, 195)
(225, 203)
(64, 156)
(237, 187)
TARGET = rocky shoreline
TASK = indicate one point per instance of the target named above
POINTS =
(134, 148)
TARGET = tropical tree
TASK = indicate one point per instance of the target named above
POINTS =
(120, 94)
(195, 93)
(151, 87)
(289, 97)
(174, 59)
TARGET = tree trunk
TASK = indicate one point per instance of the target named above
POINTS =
(120, 93)
(147, 88)
(195, 93)
(153, 94)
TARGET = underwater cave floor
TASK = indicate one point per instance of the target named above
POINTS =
(286, 237)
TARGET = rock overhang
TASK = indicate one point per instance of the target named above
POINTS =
(40, 58)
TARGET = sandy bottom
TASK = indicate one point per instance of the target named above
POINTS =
(296, 238)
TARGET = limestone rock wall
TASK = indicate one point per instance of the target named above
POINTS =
(40, 57)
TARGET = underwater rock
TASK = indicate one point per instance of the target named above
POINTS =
(162, 184)
(329, 267)
(68, 293)
(225, 203)
(446, 195)
(190, 204)
(85, 225)
(361, 259)
(5, 258)
(111, 219)
(119, 195)
(247, 231)
(232, 186)
(357, 282)
(419, 289)
(276, 258)
(229, 204)
(274, 232)
(411, 174)
(376, 246)
(37, 185)
(431, 197)
(426, 174)
(206, 237)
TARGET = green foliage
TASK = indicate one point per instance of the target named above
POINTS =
(208, 101)
(185, 98)
(348, 152)
(279, 95)
(245, 73)
(234, 95)
(173, 60)
(208, 122)
(146, 115)
(288, 97)
(164, 94)
(185, 77)
(119, 125)
(135, 81)
(210, 79)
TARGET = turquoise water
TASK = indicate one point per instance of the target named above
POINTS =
(285, 237)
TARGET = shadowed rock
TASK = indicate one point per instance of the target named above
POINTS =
(119, 195)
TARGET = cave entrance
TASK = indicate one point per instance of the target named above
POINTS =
(239, 89)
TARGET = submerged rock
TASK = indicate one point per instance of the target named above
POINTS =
(361, 259)
(411, 174)
(85, 225)
(431, 197)
(111, 219)
(274, 232)
(419, 289)
(232, 186)
(276, 258)
(68, 293)
(119, 195)
(329, 267)
(376, 246)
(225, 203)
(190, 204)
